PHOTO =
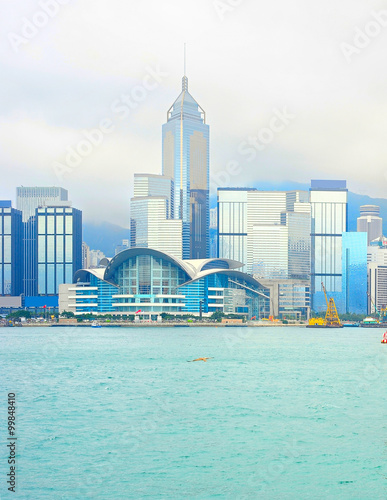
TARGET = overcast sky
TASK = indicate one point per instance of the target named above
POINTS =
(249, 62)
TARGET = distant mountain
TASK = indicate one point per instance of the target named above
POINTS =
(104, 236)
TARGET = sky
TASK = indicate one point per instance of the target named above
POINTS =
(292, 91)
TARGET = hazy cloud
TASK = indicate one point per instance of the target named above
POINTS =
(258, 57)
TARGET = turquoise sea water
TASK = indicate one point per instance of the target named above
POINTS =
(114, 413)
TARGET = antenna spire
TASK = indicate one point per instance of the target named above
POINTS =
(185, 79)
(185, 59)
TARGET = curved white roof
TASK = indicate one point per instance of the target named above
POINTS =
(193, 268)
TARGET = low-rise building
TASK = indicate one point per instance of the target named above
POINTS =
(144, 280)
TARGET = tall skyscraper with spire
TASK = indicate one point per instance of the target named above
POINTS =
(186, 160)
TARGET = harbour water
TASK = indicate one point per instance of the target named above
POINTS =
(278, 413)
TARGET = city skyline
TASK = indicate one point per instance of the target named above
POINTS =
(248, 83)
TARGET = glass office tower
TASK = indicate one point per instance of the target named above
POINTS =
(269, 231)
(329, 201)
(11, 250)
(153, 185)
(58, 247)
(370, 222)
(232, 224)
(186, 160)
(151, 215)
(28, 199)
(149, 227)
(354, 261)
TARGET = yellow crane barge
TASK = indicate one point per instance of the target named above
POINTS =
(331, 320)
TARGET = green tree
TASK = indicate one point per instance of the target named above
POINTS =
(67, 314)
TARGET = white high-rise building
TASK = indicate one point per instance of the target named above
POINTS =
(151, 229)
(151, 219)
(85, 256)
(95, 258)
(269, 231)
(329, 201)
(155, 185)
(369, 222)
(270, 251)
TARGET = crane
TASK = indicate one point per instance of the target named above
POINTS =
(332, 319)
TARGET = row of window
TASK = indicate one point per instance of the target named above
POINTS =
(55, 224)
(53, 249)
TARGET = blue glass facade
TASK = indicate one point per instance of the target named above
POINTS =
(353, 281)
(186, 161)
(11, 250)
(58, 247)
(30, 266)
(355, 272)
(153, 282)
(328, 200)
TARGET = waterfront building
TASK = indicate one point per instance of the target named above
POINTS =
(11, 250)
(354, 270)
(370, 222)
(185, 139)
(96, 256)
(329, 203)
(152, 224)
(159, 186)
(151, 229)
(269, 231)
(377, 287)
(377, 251)
(213, 218)
(232, 224)
(152, 282)
(269, 251)
(28, 199)
(124, 245)
(85, 256)
(289, 299)
(58, 246)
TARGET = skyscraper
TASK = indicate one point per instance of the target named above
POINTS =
(151, 215)
(186, 160)
(232, 224)
(370, 222)
(329, 221)
(59, 246)
(151, 229)
(269, 231)
(354, 262)
(11, 250)
(28, 199)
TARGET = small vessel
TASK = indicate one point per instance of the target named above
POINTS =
(95, 324)
(384, 339)
(370, 322)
